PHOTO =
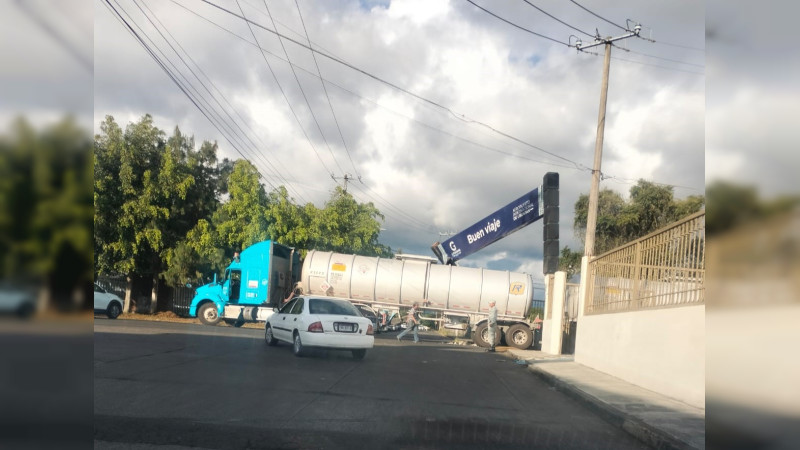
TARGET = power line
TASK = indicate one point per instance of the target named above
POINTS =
(322, 82)
(152, 54)
(646, 64)
(253, 146)
(515, 25)
(431, 127)
(557, 19)
(227, 102)
(598, 16)
(681, 46)
(282, 92)
(300, 85)
(423, 99)
(661, 58)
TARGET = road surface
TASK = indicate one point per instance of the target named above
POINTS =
(184, 385)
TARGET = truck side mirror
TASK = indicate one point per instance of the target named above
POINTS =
(215, 278)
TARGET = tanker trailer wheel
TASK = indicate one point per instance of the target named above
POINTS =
(482, 336)
(208, 314)
(519, 336)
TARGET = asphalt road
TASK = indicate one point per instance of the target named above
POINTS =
(166, 384)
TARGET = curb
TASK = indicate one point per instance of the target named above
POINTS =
(639, 429)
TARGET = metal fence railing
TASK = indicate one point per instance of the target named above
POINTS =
(180, 299)
(663, 269)
(113, 284)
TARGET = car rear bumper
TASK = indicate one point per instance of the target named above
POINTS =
(330, 340)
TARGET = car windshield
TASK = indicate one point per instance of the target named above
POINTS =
(326, 306)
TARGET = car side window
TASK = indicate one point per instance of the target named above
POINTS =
(298, 307)
(287, 307)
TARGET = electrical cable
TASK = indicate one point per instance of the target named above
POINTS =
(423, 99)
(598, 16)
(322, 82)
(253, 146)
(557, 19)
(282, 92)
(515, 25)
(300, 85)
(152, 54)
(225, 99)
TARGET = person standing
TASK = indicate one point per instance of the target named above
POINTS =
(492, 329)
(412, 322)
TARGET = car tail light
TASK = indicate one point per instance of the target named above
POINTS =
(369, 330)
(315, 327)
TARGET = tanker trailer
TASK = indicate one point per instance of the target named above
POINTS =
(445, 288)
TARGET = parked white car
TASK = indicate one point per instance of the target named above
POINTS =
(106, 303)
(331, 323)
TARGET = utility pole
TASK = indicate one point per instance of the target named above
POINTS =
(594, 193)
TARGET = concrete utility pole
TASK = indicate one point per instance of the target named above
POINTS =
(591, 219)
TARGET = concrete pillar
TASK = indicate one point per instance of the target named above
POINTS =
(553, 324)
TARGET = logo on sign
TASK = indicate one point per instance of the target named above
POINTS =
(516, 289)
(338, 267)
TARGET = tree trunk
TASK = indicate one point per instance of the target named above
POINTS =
(154, 295)
(128, 293)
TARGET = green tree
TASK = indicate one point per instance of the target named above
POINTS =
(242, 220)
(651, 206)
(45, 209)
(148, 188)
(569, 262)
(346, 226)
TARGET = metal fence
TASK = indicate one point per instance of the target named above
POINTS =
(180, 299)
(663, 269)
(113, 284)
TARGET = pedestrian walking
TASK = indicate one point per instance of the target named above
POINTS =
(412, 323)
(492, 329)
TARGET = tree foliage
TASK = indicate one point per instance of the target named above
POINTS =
(46, 207)
(651, 206)
(167, 209)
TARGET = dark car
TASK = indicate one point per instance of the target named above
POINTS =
(370, 314)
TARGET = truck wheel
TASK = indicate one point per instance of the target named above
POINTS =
(269, 338)
(481, 337)
(519, 336)
(113, 310)
(208, 314)
(297, 345)
(359, 354)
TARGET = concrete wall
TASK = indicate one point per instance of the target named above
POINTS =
(661, 349)
(553, 323)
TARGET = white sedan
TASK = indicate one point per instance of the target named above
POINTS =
(331, 323)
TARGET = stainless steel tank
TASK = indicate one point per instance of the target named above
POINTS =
(404, 282)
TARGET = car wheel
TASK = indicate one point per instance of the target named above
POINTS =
(297, 345)
(269, 338)
(113, 310)
(208, 314)
(359, 354)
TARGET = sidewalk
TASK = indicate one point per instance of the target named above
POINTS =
(657, 420)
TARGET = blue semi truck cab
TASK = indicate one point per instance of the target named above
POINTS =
(250, 288)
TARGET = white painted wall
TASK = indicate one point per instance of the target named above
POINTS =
(662, 349)
(554, 301)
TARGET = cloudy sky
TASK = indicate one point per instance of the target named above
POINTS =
(445, 112)
(413, 93)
